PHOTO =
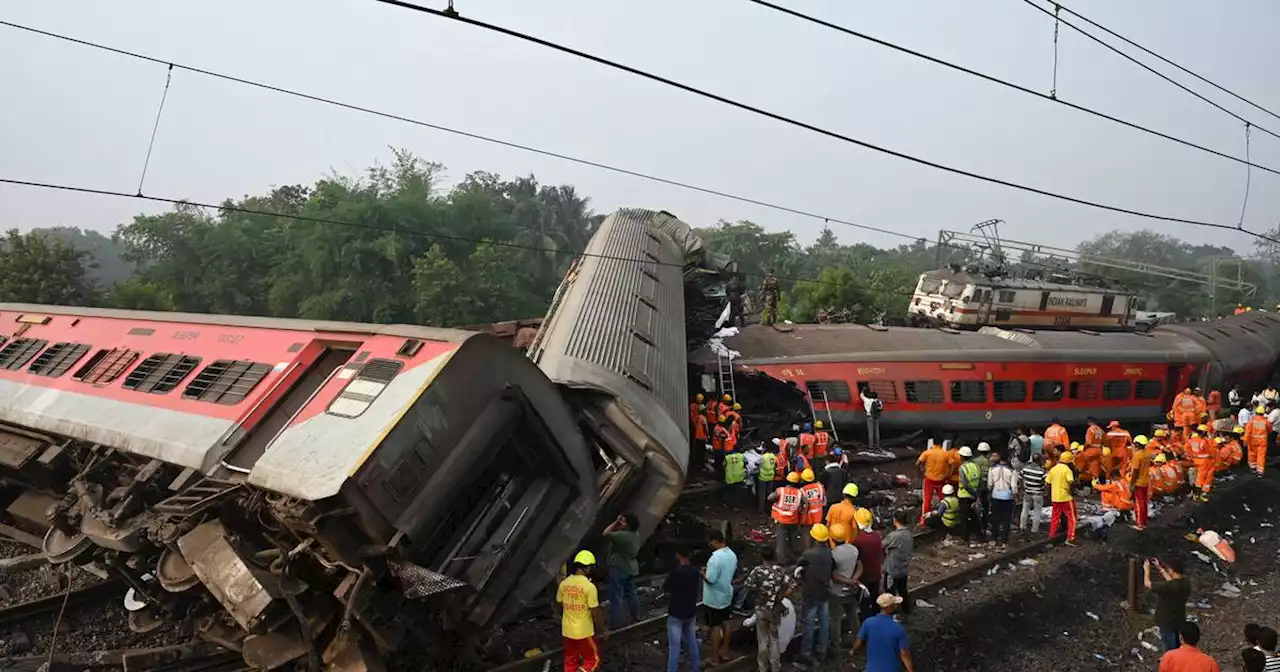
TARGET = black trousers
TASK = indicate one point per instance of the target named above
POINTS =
(1001, 519)
(969, 520)
(898, 586)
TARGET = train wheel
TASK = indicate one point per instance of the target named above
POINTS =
(60, 547)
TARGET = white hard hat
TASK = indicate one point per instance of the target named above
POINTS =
(984, 447)
(948, 489)
(777, 442)
(965, 451)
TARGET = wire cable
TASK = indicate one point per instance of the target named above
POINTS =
(168, 79)
(1142, 65)
(1131, 43)
(1051, 96)
(1248, 177)
(805, 125)
(1053, 93)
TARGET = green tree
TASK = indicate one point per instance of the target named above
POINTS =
(38, 268)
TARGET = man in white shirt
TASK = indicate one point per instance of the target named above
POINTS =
(873, 406)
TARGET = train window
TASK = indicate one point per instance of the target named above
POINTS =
(1006, 296)
(1084, 390)
(20, 351)
(359, 394)
(923, 391)
(835, 390)
(969, 391)
(59, 358)
(930, 286)
(1003, 315)
(1116, 390)
(160, 373)
(105, 366)
(1048, 390)
(1007, 391)
(1147, 389)
(226, 381)
(885, 390)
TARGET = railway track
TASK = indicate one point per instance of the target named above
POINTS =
(654, 627)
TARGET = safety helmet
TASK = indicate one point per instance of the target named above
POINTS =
(818, 424)
(819, 532)
(1141, 439)
(1219, 439)
(723, 418)
(807, 475)
(965, 451)
(984, 447)
(698, 397)
(1106, 451)
(839, 532)
(836, 451)
(1261, 410)
(1114, 424)
(585, 558)
(1160, 432)
(1066, 457)
(1238, 430)
(863, 517)
(948, 489)
(850, 489)
(737, 406)
(793, 477)
(1075, 445)
(1160, 459)
(1202, 428)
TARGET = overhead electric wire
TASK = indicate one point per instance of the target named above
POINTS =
(826, 219)
(1003, 82)
(1144, 66)
(444, 14)
(1131, 43)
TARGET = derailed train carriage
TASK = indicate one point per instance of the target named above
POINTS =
(319, 491)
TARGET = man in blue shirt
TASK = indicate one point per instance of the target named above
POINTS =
(717, 595)
(885, 638)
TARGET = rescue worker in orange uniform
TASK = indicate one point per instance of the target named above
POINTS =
(1056, 435)
(937, 465)
(808, 441)
(1138, 472)
(1093, 435)
(1202, 406)
(722, 441)
(787, 501)
(1185, 413)
(1214, 405)
(821, 443)
(1255, 436)
(813, 502)
(1159, 478)
(1087, 462)
(1117, 442)
(1115, 496)
(695, 407)
(1203, 457)
(735, 417)
(1231, 452)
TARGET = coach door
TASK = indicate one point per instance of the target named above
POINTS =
(1108, 303)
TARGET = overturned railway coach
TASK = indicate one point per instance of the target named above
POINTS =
(302, 489)
(946, 379)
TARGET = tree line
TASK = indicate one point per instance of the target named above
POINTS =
(486, 249)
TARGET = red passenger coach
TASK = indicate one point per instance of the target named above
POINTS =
(993, 378)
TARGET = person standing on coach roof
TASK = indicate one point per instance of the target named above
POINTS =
(624, 546)
(580, 603)
(717, 594)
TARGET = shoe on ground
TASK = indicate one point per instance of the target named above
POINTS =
(1071, 543)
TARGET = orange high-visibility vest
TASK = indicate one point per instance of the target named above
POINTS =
(784, 462)
(1256, 431)
(1056, 435)
(1093, 436)
(786, 510)
(814, 497)
(821, 441)
(807, 441)
(700, 427)
(720, 437)
(1116, 496)
(1197, 448)
(1117, 439)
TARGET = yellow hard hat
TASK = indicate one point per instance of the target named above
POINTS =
(1075, 445)
(1141, 439)
(1161, 432)
(737, 406)
(839, 533)
(850, 489)
(727, 398)
(819, 532)
(1106, 451)
(818, 424)
(1261, 410)
(793, 477)
(1066, 457)
(862, 516)
(1202, 428)
(1094, 483)
(1219, 439)
(697, 397)
(807, 475)
(1238, 430)
(723, 418)
(1160, 459)
(585, 558)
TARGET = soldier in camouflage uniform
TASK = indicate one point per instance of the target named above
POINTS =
(769, 289)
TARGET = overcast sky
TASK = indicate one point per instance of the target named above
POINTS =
(72, 114)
